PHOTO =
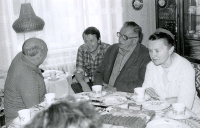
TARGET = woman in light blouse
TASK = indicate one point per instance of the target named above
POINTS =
(168, 74)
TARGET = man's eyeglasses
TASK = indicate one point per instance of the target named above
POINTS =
(125, 38)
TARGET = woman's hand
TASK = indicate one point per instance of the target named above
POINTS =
(151, 92)
(109, 89)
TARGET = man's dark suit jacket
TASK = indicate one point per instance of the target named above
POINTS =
(133, 72)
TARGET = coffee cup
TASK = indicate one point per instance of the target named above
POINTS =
(178, 109)
(49, 98)
(139, 93)
(24, 116)
(53, 74)
(97, 89)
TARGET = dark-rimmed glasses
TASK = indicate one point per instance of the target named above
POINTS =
(125, 38)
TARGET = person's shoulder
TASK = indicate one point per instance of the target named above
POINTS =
(82, 48)
(183, 64)
(143, 48)
(105, 44)
(17, 57)
(18, 74)
(151, 64)
(183, 61)
(152, 67)
(17, 62)
(113, 47)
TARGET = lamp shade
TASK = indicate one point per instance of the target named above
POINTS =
(27, 21)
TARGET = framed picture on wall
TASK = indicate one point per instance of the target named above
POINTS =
(137, 4)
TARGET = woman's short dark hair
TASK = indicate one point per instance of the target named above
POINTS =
(93, 31)
(162, 35)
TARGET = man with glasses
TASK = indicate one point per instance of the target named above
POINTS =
(88, 59)
(124, 65)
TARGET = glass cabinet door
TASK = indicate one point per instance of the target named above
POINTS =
(192, 28)
(166, 16)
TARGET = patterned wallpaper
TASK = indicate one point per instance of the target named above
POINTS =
(144, 17)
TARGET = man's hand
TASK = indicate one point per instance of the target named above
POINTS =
(85, 87)
(83, 81)
(109, 89)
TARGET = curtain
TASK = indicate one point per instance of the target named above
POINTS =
(8, 37)
(65, 20)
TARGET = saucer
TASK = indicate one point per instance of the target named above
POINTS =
(140, 100)
(81, 97)
(16, 121)
(113, 100)
(155, 105)
(164, 123)
(172, 116)
(91, 94)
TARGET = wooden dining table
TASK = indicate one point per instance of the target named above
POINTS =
(119, 105)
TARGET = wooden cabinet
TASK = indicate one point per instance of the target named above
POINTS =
(182, 18)
(190, 29)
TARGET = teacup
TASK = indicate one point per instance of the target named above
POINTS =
(97, 89)
(49, 98)
(139, 93)
(53, 74)
(178, 109)
(24, 116)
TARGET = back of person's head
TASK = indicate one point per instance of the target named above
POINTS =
(67, 115)
(161, 33)
(136, 28)
(33, 46)
(92, 31)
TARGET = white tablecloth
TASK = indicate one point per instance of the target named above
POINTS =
(192, 122)
(61, 86)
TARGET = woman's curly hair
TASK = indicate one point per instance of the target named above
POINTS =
(67, 114)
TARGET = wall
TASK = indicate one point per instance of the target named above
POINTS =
(144, 17)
